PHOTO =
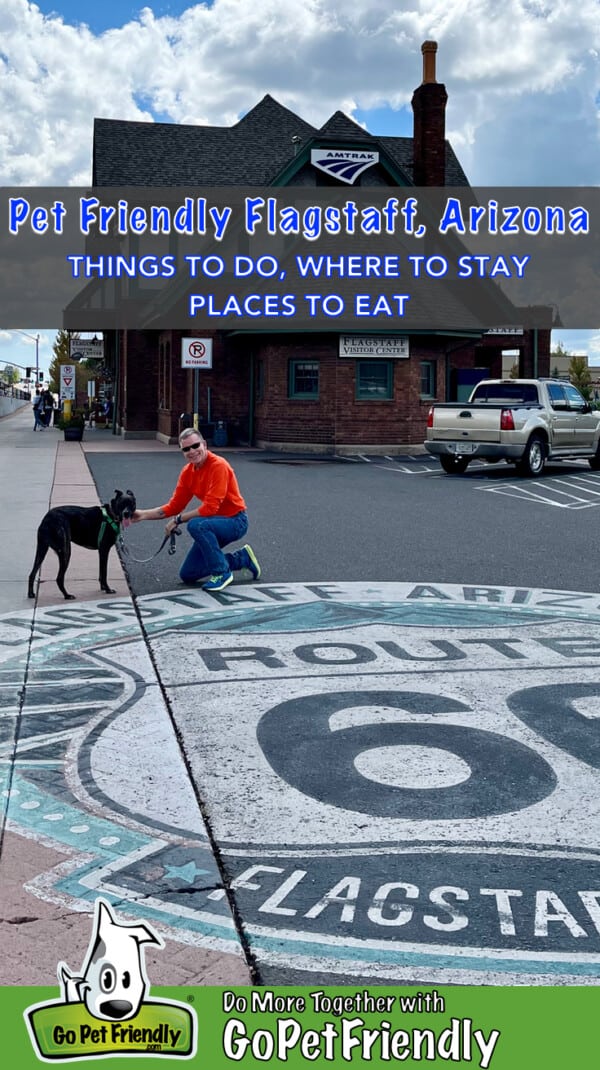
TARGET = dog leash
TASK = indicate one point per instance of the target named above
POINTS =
(170, 538)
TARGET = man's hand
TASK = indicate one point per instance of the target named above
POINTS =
(172, 523)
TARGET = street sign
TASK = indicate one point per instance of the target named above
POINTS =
(86, 349)
(373, 346)
(67, 382)
(196, 352)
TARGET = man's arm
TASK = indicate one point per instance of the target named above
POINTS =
(159, 514)
(148, 514)
(173, 508)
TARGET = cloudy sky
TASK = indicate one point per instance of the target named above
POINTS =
(523, 81)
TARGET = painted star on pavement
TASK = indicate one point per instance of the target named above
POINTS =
(186, 873)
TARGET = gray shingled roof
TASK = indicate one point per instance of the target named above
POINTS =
(340, 125)
(251, 153)
(400, 149)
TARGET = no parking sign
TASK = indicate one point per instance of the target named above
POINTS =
(196, 352)
(67, 382)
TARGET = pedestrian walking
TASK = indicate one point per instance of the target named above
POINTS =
(220, 520)
(47, 407)
(38, 411)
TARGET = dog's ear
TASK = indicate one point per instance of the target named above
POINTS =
(130, 493)
(118, 494)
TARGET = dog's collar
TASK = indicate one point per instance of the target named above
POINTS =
(107, 520)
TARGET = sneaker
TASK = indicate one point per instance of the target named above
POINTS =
(217, 583)
(253, 565)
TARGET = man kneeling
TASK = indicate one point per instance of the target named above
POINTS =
(220, 520)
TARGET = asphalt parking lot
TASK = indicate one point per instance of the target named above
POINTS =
(384, 519)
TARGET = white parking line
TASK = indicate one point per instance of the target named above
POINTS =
(419, 469)
(589, 482)
(549, 493)
(567, 493)
(403, 469)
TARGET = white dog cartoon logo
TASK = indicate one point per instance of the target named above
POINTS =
(113, 979)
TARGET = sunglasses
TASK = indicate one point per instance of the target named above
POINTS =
(194, 446)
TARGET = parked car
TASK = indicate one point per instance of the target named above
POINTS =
(523, 421)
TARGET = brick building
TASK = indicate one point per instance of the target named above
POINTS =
(308, 389)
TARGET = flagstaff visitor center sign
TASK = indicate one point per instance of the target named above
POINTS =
(374, 346)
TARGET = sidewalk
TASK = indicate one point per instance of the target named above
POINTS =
(38, 926)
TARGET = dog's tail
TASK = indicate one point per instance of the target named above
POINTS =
(40, 553)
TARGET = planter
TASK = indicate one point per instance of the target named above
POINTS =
(73, 434)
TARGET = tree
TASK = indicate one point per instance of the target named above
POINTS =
(560, 351)
(10, 375)
(61, 348)
(579, 374)
(561, 356)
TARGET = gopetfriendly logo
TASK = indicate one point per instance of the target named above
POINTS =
(104, 1010)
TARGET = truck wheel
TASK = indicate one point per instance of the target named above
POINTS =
(453, 466)
(533, 460)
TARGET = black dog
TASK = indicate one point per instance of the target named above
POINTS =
(95, 528)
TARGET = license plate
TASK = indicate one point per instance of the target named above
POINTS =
(462, 447)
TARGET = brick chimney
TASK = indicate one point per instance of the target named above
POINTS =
(429, 124)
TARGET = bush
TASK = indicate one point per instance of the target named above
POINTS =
(76, 419)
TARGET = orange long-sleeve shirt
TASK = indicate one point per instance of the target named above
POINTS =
(214, 484)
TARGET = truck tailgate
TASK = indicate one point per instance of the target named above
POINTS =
(479, 423)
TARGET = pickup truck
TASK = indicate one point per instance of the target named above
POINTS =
(523, 421)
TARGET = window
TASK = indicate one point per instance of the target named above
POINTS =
(259, 390)
(428, 378)
(161, 372)
(373, 380)
(511, 393)
(575, 399)
(164, 375)
(304, 379)
(556, 394)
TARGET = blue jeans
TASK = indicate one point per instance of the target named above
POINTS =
(210, 534)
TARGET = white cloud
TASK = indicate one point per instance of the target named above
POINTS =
(18, 348)
(580, 343)
(522, 77)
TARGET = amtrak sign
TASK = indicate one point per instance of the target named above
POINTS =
(345, 164)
